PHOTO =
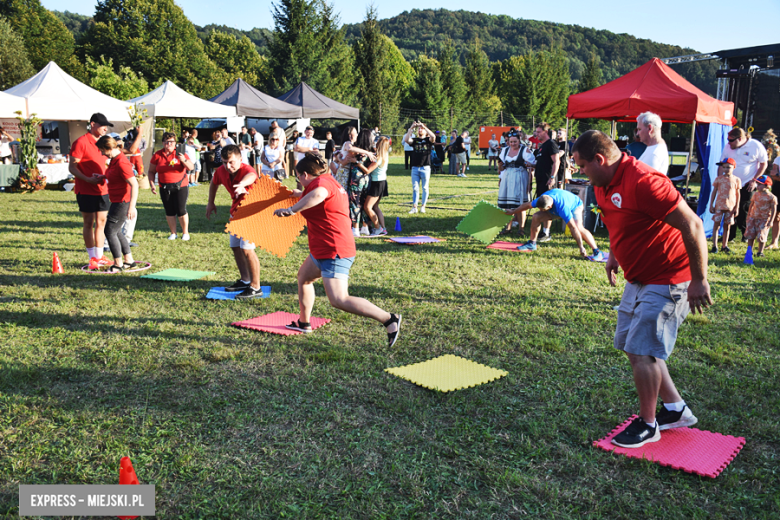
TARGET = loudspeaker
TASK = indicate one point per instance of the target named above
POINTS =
(586, 195)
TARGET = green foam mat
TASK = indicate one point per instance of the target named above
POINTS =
(484, 222)
(179, 275)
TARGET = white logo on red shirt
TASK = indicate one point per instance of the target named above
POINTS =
(617, 200)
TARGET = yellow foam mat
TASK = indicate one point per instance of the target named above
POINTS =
(447, 373)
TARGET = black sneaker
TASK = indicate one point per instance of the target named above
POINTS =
(238, 286)
(544, 238)
(300, 326)
(714, 249)
(132, 244)
(637, 434)
(392, 337)
(726, 249)
(668, 420)
(761, 254)
(249, 293)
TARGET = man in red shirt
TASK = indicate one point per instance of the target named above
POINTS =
(88, 166)
(237, 177)
(660, 244)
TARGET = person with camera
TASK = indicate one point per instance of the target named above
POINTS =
(421, 161)
(172, 165)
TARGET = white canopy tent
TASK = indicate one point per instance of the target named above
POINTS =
(169, 100)
(10, 104)
(54, 95)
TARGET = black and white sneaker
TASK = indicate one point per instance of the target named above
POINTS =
(238, 286)
(668, 420)
(637, 434)
(544, 238)
(392, 337)
(300, 326)
(249, 293)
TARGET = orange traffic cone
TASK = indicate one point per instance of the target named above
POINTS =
(127, 476)
(56, 265)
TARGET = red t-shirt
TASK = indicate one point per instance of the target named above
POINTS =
(633, 207)
(137, 160)
(330, 228)
(222, 176)
(119, 170)
(170, 169)
(91, 161)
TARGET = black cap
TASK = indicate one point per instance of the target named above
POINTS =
(100, 119)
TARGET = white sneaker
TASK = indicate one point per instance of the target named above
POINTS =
(172, 236)
(467, 168)
(364, 231)
(413, 211)
(461, 175)
(377, 231)
(185, 236)
(355, 232)
(422, 210)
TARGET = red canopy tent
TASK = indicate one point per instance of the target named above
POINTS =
(653, 87)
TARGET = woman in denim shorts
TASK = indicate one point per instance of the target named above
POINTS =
(325, 206)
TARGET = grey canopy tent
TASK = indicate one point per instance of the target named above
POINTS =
(317, 106)
(251, 102)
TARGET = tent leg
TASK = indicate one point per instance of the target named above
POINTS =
(690, 156)
(567, 151)
(613, 130)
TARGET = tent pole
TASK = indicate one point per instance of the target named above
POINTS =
(613, 130)
(566, 148)
(690, 156)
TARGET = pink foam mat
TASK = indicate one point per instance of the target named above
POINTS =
(689, 449)
(276, 321)
(505, 246)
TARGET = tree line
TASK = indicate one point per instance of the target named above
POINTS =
(470, 65)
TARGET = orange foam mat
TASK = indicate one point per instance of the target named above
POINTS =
(689, 449)
(254, 220)
(276, 321)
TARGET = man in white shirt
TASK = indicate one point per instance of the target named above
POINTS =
(307, 143)
(751, 158)
(656, 155)
(257, 144)
(227, 138)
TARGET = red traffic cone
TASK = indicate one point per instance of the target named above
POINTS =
(127, 476)
(56, 265)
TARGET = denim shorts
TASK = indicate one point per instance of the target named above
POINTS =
(243, 244)
(334, 267)
(648, 318)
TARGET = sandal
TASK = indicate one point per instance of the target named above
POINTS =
(134, 265)
(300, 326)
(392, 337)
(115, 269)
(505, 232)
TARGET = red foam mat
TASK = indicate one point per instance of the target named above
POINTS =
(689, 449)
(276, 321)
(506, 246)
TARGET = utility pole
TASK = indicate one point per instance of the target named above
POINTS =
(501, 118)
(380, 116)
(452, 114)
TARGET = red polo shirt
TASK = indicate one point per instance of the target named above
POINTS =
(633, 207)
(91, 161)
(222, 176)
(119, 170)
(169, 168)
(330, 228)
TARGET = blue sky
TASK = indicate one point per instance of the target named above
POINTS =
(705, 26)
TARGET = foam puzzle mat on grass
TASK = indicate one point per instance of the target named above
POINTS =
(421, 239)
(276, 321)
(221, 293)
(178, 275)
(484, 222)
(505, 246)
(105, 270)
(447, 373)
(254, 219)
(689, 449)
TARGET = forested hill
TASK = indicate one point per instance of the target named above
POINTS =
(423, 31)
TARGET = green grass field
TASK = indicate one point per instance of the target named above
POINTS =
(232, 423)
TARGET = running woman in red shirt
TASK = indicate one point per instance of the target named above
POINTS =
(659, 242)
(123, 193)
(173, 179)
(325, 206)
(237, 178)
(88, 165)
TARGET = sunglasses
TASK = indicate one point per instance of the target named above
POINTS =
(732, 139)
(169, 142)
